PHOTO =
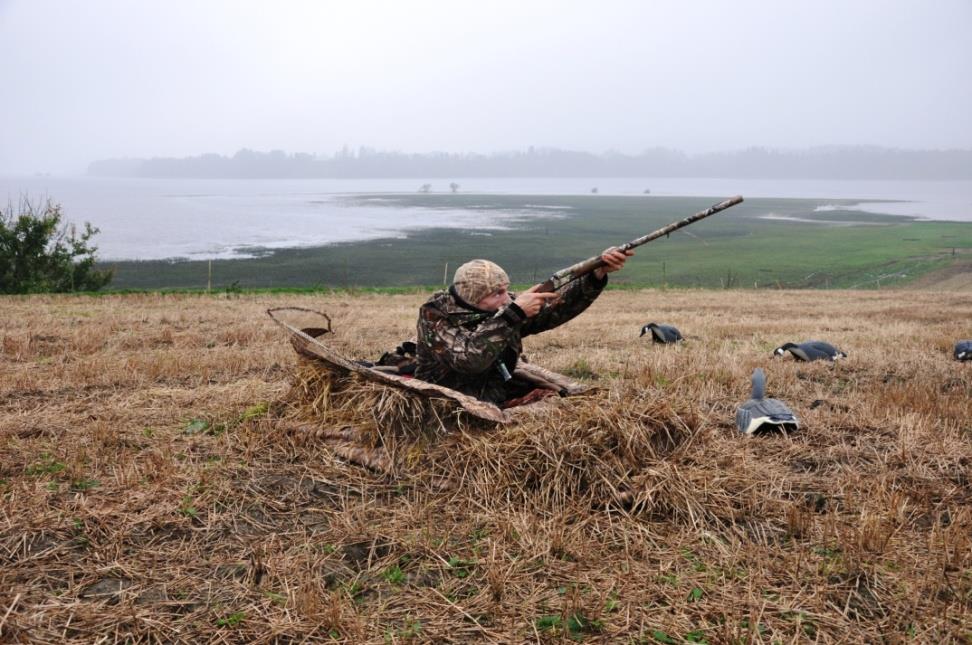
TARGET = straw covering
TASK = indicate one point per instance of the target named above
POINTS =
(380, 419)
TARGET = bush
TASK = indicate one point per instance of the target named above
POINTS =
(39, 254)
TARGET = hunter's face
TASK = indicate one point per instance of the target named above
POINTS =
(495, 300)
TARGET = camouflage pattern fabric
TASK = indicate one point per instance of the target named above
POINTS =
(462, 347)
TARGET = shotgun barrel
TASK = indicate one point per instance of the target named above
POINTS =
(575, 271)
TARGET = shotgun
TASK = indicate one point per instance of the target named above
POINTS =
(565, 276)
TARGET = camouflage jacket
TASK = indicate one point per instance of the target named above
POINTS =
(461, 347)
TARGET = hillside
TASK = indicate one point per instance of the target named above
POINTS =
(151, 491)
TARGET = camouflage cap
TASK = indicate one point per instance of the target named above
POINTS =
(477, 279)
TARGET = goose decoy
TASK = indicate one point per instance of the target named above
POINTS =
(811, 350)
(662, 333)
(760, 415)
(963, 350)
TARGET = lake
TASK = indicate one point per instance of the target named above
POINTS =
(224, 218)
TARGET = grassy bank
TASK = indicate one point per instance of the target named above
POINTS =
(740, 247)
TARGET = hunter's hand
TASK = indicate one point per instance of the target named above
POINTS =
(532, 302)
(614, 259)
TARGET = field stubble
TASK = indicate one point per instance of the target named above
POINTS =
(150, 491)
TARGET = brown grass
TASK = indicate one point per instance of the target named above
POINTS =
(634, 514)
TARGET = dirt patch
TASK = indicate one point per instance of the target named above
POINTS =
(957, 278)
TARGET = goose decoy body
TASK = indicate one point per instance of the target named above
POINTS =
(662, 333)
(963, 350)
(760, 415)
(811, 350)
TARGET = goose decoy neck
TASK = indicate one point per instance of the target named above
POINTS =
(779, 351)
(759, 384)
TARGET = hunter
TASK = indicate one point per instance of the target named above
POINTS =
(470, 337)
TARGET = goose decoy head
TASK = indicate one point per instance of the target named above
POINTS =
(781, 350)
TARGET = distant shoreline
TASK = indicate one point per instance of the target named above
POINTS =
(824, 162)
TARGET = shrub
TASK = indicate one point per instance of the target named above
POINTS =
(39, 254)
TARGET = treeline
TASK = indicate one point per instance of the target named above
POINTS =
(836, 162)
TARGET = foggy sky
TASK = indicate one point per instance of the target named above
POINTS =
(97, 79)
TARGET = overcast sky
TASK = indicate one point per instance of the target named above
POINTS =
(88, 80)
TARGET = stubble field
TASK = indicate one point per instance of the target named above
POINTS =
(152, 492)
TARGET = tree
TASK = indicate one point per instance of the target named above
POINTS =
(39, 254)
(454, 187)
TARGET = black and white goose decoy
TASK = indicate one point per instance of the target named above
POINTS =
(662, 333)
(963, 350)
(760, 415)
(811, 350)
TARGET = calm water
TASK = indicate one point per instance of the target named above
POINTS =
(212, 218)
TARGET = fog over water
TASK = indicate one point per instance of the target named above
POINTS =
(114, 79)
(107, 79)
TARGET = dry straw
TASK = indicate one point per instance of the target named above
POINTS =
(155, 490)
